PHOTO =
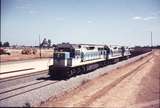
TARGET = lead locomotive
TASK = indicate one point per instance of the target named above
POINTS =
(74, 59)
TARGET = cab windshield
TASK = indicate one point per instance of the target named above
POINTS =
(59, 56)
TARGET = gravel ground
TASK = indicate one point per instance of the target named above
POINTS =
(38, 96)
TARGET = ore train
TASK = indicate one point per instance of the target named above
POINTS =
(74, 59)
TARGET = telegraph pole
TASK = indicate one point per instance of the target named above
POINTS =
(151, 41)
(39, 46)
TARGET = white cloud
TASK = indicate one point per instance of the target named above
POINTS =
(137, 18)
(24, 6)
(149, 18)
(144, 18)
(27, 8)
(33, 11)
(89, 21)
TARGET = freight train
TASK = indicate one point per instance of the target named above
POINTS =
(73, 59)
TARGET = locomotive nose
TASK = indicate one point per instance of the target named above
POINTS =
(60, 58)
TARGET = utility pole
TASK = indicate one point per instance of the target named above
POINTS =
(39, 46)
(151, 41)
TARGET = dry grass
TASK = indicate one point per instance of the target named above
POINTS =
(16, 55)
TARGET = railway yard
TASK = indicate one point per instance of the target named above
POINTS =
(80, 53)
(131, 83)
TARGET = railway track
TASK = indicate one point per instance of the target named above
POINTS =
(113, 84)
(16, 71)
(20, 90)
(9, 93)
(23, 76)
(100, 91)
(26, 75)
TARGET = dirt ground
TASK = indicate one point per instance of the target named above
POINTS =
(16, 55)
(135, 85)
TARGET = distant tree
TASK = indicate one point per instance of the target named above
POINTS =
(49, 43)
(137, 46)
(6, 44)
(0, 44)
(158, 46)
(54, 45)
(44, 43)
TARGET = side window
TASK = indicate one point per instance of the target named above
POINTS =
(101, 52)
(77, 53)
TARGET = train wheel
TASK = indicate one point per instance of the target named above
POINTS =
(69, 73)
(78, 71)
(72, 72)
(84, 69)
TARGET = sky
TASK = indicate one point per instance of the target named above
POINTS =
(111, 22)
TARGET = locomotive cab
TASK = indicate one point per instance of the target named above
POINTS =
(63, 55)
(61, 59)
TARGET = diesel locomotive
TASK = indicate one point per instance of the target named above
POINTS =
(74, 59)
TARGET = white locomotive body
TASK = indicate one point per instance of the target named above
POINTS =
(71, 59)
